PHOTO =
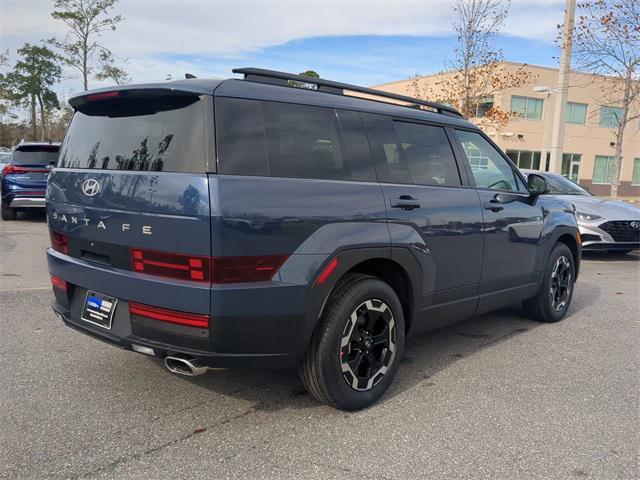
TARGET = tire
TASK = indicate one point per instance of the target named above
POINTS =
(553, 299)
(358, 303)
(8, 213)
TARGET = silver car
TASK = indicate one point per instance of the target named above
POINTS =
(609, 225)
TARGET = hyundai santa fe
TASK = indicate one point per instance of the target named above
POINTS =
(249, 222)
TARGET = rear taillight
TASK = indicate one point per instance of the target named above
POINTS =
(59, 283)
(184, 267)
(9, 169)
(59, 242)
(171, 316)
(245, 269)
(215, 270)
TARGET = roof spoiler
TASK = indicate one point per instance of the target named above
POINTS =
(338, 88)
(105, 94)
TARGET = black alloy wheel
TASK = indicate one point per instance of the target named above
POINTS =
(561, 283)
(368, 344)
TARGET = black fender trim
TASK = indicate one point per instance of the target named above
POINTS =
(348, 258)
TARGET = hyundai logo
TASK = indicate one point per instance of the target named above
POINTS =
(635, 225)
(90, 187)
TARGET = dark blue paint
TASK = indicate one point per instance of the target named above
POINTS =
(460, 258)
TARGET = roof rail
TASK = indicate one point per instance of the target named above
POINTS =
(337, 88)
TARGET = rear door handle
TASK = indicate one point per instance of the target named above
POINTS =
(405, 202)
(493, 205)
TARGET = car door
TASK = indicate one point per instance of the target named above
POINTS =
(431, 213)
(513, 220)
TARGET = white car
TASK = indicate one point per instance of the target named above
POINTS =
(604, 224)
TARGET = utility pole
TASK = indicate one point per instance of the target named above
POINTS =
(557, 137)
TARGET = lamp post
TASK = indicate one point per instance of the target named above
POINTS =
(557, 134)
(545, 133)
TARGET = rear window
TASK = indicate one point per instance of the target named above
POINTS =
(288, 140)
(40, 155)
(139, 139)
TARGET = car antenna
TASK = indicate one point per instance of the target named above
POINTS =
(189, 75)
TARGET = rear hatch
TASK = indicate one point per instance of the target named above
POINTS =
(131, 176)
(30, 166)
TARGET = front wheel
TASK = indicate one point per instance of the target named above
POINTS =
(553, 300)
(356, 348)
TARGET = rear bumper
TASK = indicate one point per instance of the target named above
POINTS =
(28, 202)
(161, 350)
(255, 325)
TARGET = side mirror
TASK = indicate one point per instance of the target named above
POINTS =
(537, 184)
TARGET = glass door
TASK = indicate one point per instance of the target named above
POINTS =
(571, 165)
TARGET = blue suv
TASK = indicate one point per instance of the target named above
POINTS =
(24, 178)
(250, 222)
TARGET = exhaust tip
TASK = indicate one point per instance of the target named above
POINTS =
(184, 366)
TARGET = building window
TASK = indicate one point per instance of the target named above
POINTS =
(576, 113)
(483, 106)
(602, 169)
(635, 179)
(571, 165)
(527, 159)
(526, 107)
(610, 117)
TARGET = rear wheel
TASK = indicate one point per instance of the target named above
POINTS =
(356, 348)
(8, 213)
(553, 300)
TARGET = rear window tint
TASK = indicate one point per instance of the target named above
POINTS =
(35, 155)
(169, 140)
(289, 140)
(411, 153)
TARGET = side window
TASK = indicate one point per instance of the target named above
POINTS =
(304, 142)
(489, 168)
(289, 140)
(242, 149)
(426, 151)
(411, 153)
(356, 146)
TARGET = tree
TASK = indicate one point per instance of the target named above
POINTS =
(607, 42)
(31, 80)
(306, 73)
(476, 73)
(110, 71)
(4, 96)
(82, 49)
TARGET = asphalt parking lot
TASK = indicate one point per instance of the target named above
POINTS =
(496, 397)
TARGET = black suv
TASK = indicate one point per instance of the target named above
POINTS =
(250, 222)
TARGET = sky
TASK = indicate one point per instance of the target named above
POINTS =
(356, 41)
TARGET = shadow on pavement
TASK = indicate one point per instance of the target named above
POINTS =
(424, 357)
(35, 215)
(611, 256)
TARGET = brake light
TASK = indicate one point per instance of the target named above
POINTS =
(59, 242)
(173, 265)
(59, 283)
(102, 96)
(171, 316)
(258, 268)
(9, 169)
